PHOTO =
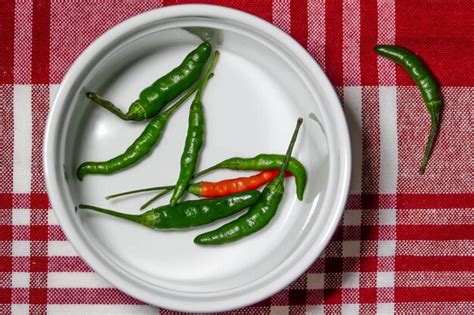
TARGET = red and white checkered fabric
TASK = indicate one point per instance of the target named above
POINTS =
(405, 243)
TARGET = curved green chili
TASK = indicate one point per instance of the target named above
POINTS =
(189, 213)
(428, 86)
(260, 214)
(141, 146)
(193, 143)
(263, 162)
(152, 99)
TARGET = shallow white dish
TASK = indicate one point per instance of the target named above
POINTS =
(263, 81)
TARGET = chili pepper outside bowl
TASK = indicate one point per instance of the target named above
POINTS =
(263, 81)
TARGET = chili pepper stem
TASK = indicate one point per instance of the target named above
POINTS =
(129, 217)
(157, 196)
(430, 141)
(281, 174)
(209, 75)
(205, 171)
(170, 110)
(107, 105)
(136, 191)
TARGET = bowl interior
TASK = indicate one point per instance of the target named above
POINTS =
(251, 106)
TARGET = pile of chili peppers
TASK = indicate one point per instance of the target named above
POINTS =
(225, 197)
(229, 196)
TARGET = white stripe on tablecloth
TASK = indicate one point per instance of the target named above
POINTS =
(388, 149)
(22, 138)
(435, 248)
(281, 15)
(353, 113)
(386, 35)
(351, 43)
(317, 30)
(386, 248)
(434, 279)
(76, 280)
(60, 248)
(458, 307)
(102, 309)
(53, 90)
(435, 216)
(388, 140)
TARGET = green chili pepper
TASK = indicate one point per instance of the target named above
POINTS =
(425, 81)
(193, 143)
(260, 214)
(189, 213)
(141, 146)
(263, 162)
(152, 99)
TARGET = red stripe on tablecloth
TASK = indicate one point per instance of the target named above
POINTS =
(368, 39)
(7, 18)
(89, 296)
(333, 51)
(7, 31)
(355, 201)
(426, 201)
(41, 38)
(440, 32)
(38, 230)
(23, 42)
(410, 201)
(78, 296)
(434, 294)
(40, 106)
(434, 263)
(299, 21)
(261, 8)
(435, 232)
(6, 140)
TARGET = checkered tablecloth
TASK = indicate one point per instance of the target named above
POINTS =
(405, 243)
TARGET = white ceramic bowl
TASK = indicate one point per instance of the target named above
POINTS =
(263, 81)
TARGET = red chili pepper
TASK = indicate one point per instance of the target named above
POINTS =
(213, 189)
(234, 185)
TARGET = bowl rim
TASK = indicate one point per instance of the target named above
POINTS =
(340, 185)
